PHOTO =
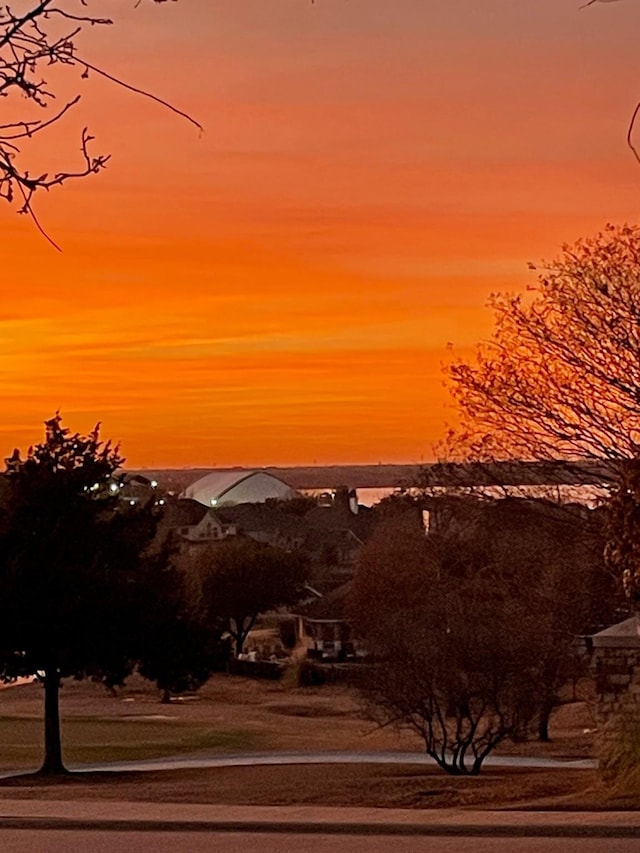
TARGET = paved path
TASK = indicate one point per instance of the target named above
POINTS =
(250, 759)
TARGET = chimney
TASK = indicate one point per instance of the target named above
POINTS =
(347, 498)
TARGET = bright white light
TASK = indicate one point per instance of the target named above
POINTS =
(161, 502)
(214, 501)
(114, 487)
(132, 503)
(154, 484)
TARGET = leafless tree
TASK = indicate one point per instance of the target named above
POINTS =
(560, 377)
(37, 39)
(457, 656)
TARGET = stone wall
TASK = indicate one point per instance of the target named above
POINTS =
(617, 676)
(616, 664)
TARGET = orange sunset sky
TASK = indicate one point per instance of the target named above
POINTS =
(282, 288)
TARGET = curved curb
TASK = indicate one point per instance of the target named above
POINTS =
(601, 830)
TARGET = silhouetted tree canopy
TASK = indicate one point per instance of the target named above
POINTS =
(242, 578)
(560, 377)
(476, 625)
(552, 556)
(181, 649)
(84, 591)
(622, 550)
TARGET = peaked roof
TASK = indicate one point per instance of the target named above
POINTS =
(263, 517)
(332, 607)
(622, 635)
(184, 512)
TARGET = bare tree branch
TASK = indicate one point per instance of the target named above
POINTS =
(560, 379)
(632, 123)
(46, 34)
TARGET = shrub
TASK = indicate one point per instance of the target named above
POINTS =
(264, 669)
(287, 633)
(619, 755)
(310, 674)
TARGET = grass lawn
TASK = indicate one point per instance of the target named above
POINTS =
(229, 714)
(90, 740)
(232, 714)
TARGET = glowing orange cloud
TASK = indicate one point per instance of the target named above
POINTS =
(282, 289)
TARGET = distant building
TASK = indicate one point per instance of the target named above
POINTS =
(331, 534)
(322, 627)
(192, 523)
(228, 488)
(136, 489)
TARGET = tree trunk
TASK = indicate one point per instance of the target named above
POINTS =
(239, 630)
(543, 723)
(52, 764)
(166, 698)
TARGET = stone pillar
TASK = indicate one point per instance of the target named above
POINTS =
(616, 662)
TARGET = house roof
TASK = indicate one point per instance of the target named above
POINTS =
(184, 512)
(332, 607)
(621, 635)
(316, 528)
(137, 479)
(264, 517)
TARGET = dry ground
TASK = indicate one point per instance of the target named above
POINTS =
(232, 714)
(369, 785)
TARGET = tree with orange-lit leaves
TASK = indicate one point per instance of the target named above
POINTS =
(560, 377)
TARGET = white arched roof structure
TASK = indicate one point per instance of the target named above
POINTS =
(224, 488)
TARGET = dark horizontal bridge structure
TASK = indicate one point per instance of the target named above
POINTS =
(552, 473)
